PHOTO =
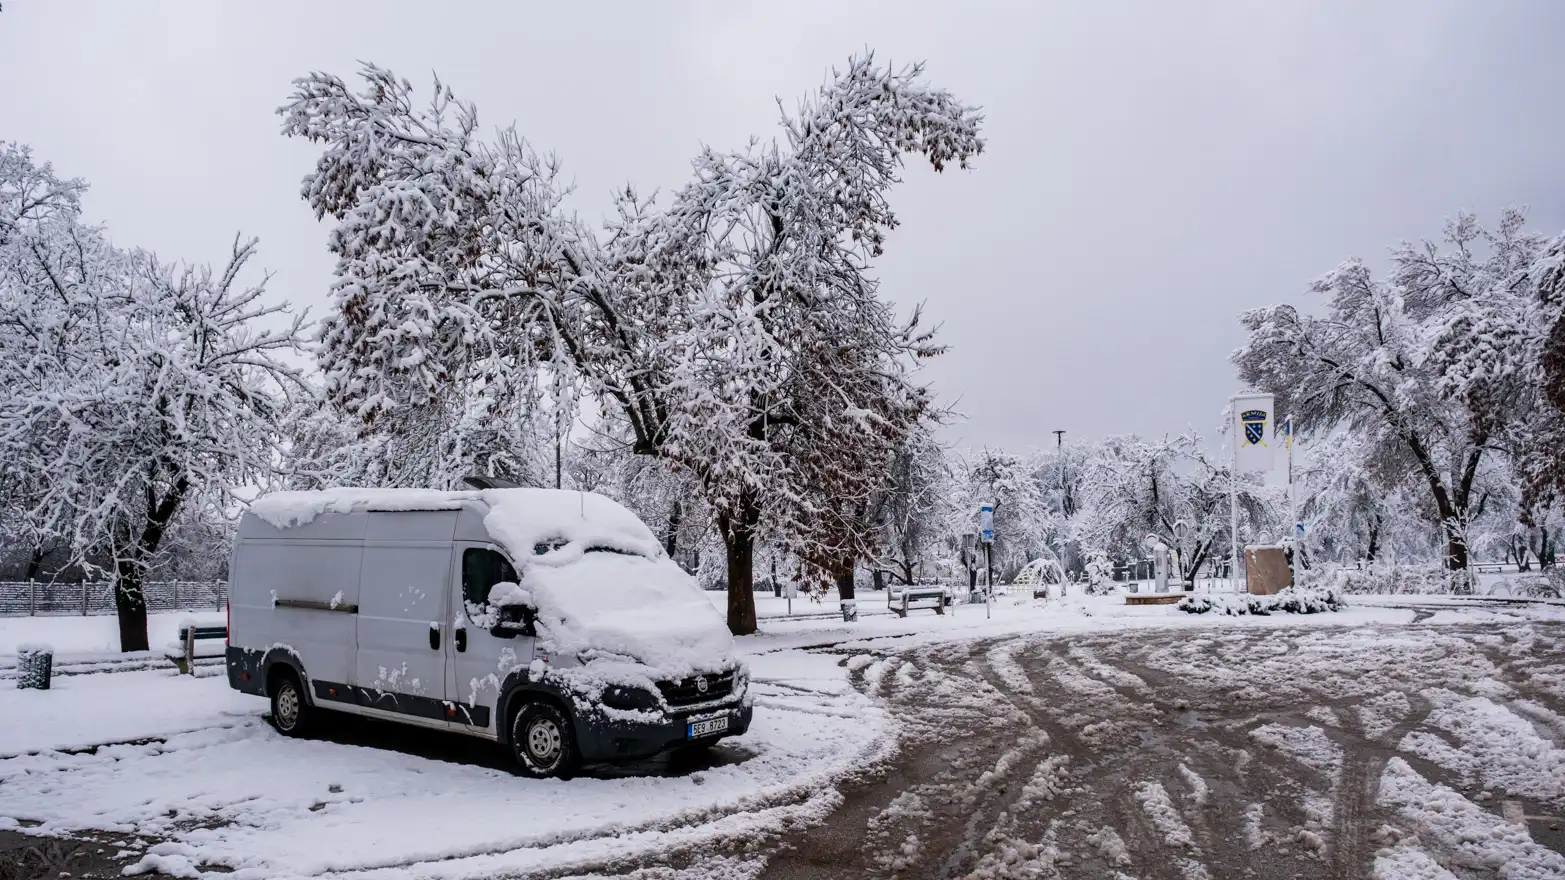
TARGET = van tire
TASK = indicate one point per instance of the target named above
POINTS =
(544, 742)
(292, 713)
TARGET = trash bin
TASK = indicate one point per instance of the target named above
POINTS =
(850, 610)
(34, 666)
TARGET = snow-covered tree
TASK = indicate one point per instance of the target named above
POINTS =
(1374, 362)
(1134, 488)
(444, 443)
(1024, 521)
(735, 332)
(1501, 352)
(132, 388)
(1343, 506)
(914, 509)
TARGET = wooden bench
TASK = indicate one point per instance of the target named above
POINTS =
(184, 653)
(910, 598)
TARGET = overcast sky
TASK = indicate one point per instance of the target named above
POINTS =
(1152, 168)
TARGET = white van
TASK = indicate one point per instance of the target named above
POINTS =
(550, 621)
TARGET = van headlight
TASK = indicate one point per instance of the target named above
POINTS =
(629, 698)
(741, 680)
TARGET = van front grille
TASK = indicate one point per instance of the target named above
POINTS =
(688, 691)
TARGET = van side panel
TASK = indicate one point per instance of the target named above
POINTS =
(404, 628)
(321, 569)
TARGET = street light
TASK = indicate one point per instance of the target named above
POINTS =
(1065, 506)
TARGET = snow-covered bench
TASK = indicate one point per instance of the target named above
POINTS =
(187, 650)
(909, 598)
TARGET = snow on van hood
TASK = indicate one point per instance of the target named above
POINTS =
(649, 610)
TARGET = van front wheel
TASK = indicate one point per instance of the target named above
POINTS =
(544, 741)
(291, 712)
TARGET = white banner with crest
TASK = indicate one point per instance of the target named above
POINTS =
(1254, 432)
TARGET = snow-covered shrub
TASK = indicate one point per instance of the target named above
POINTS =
(1378, 579)
(1549, 584)
(1100, 574)
(1039, 571)
(1289, 601)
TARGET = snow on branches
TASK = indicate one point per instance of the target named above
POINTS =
(132, 387)
(734, 332)
(1415, 363)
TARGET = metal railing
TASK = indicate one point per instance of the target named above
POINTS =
(23, 598)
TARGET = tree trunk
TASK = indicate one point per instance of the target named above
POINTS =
(671, 541)
(130, 600)
(34, 563)
(130, 605)
(845, 580)
(1374, 540)
(1456, 554)
(738, 531)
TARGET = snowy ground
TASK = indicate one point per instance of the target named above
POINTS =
(1044, 739)
(96, 634)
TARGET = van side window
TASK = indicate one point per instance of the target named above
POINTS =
(481, 570)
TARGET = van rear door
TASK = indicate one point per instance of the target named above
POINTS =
(403, 622)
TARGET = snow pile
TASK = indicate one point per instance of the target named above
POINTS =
(1255, 836)
(1199, 792)
(1289, 601)
(1155, 802)
(1496, 747)
(1406, 862)
(1469, 836)
(1310, 746)
(1110, 846)
(1379, 714)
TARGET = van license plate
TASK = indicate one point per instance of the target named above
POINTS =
(706, 728)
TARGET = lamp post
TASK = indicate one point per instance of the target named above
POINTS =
(1065, 505)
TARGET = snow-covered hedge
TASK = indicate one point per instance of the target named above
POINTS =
(1289, 601)
(1381, 579)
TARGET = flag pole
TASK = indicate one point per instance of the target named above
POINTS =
(1293, 503)
(1233, 497)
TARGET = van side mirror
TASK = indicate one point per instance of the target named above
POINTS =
(514, 612)
(514, 620)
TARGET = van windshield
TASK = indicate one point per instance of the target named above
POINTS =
(543, 547)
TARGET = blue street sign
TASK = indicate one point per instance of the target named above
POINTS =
(986, 523)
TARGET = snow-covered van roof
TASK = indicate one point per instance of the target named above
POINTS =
(519, 519)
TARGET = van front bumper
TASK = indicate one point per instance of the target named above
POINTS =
(602, 739)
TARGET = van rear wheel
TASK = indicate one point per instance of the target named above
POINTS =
(292, 714)
(544, 742)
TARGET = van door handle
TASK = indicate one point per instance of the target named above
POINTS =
(461, 638)
(434, 636)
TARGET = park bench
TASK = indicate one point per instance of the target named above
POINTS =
(909, 598)
(186, 651)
